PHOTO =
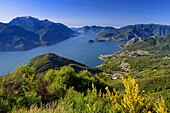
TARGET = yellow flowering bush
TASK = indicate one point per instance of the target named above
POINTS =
(132, 101)
(160, 106)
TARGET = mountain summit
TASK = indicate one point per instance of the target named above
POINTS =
(30, 23)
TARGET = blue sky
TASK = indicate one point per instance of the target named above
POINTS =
(115, 13)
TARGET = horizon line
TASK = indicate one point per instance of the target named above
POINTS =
(79, 26)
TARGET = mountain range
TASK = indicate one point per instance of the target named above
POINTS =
(24, 33)
(131, 31)
(51, 83)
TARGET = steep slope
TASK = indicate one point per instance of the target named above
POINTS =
(14, 38)
(2, 25)
(53, 33)
(93, 29)
(131, 31)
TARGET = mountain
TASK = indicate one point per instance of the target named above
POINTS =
(14, 38)
(49, 32)
(131, 31)
(24, 33)
(93, 29)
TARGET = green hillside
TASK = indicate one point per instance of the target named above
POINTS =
(156, 46)
(50, 83)
(49, 61)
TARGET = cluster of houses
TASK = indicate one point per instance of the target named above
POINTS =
(109, 75)
(118, 74)
(124, 66)
(104, 56)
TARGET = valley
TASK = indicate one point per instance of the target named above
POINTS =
(84, 56)
(86, 75)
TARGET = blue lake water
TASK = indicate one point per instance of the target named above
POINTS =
(76, 48)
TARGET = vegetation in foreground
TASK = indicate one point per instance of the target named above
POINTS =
(22, 91)
(46, 85)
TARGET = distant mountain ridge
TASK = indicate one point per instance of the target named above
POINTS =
(93, 29)
(131, 31)
(24, 33)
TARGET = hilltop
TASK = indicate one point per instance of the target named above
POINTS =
(49, 61)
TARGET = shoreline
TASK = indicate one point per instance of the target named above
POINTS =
(100, 59)
(109, 55)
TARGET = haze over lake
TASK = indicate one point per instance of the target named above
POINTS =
(75, 48)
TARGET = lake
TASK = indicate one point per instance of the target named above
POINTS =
(76, 48)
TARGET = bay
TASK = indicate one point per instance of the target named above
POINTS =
(75, 48)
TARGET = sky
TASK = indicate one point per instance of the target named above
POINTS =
(76, 13)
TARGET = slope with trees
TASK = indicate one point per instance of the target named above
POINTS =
(62, 89)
